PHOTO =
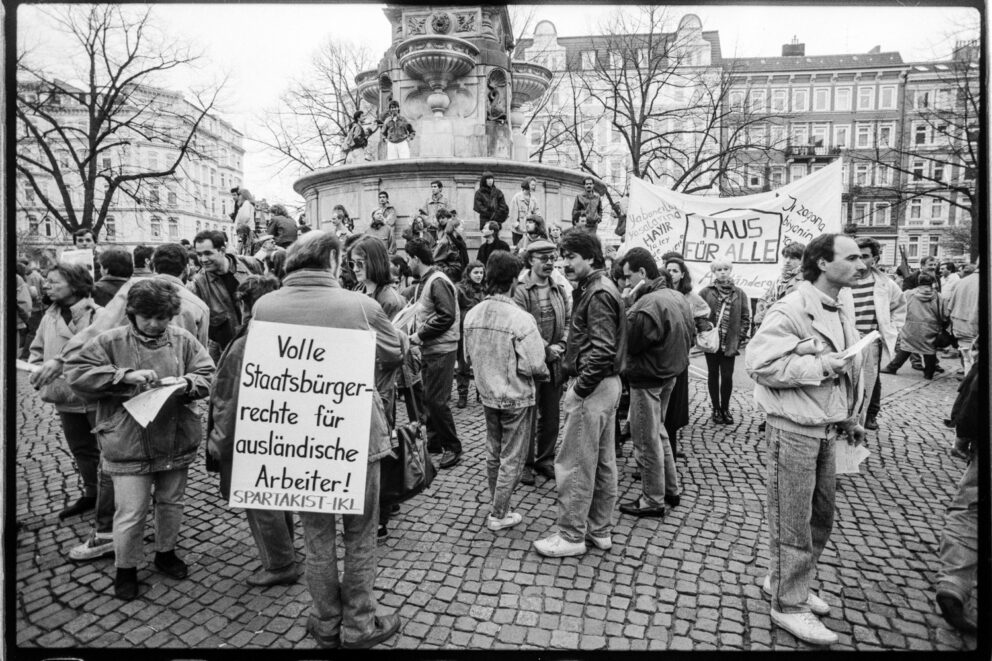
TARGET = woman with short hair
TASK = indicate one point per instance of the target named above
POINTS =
(730, 313)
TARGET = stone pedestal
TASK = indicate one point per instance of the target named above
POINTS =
(436, 138)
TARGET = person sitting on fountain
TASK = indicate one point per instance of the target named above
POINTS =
(398, 132)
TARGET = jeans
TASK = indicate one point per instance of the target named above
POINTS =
(508, 432)
(437, 372)
(800, 485)
(86, 451)
(959, 541)
(133, 494)
(964, 346)
(343, 607)
(871, 383)
(272, 531)
(463, 372)
(929, 362)
(541, 449)
(720, 378)
(586, 463)
(653, 451)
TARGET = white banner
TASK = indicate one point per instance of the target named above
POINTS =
(83, 258)
(747, 231)
(303, 417)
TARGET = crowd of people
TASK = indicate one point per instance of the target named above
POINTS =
(570, 352)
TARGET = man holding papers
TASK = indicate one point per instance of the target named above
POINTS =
(809, 389)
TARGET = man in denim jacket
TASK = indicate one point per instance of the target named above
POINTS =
(810, 392)
(504, 344)
(586, 463)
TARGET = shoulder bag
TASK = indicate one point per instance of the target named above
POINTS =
(708, 341)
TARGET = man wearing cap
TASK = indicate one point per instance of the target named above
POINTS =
(491, 241)
(549, 301)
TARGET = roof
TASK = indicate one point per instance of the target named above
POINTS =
(815, 62)
(601, 43)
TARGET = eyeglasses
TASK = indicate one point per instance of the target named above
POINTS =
(356, 263)
(544, 258)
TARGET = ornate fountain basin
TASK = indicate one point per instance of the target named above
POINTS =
(530, 82)
(368, 86)
(437, 59)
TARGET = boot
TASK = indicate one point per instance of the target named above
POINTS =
(717, 416)
(126, 583)
(727, 418)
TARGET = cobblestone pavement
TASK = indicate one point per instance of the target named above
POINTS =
(687, 582)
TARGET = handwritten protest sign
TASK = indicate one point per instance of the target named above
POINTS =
(302, 422)
(83, 258)
(748, 231)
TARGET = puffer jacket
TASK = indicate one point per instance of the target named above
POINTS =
(794, 389)
(660, 333)
(597, 335)
(489, 202)
(49, 341)
(504, 345)
(170, 441)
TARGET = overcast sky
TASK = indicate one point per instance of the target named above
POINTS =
(262, 46)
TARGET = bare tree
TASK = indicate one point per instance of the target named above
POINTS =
(79, 135)
(307, 130)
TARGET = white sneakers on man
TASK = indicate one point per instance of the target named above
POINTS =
(557, 546)
(817, 605)
(511, 519)
(805, 626)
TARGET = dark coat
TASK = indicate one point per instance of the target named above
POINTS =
(489, 202)
(597, 337)
(106, 288)
(739, 310)
(925, 316)
(283, 230)
(660, 332)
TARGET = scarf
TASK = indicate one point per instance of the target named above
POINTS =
(725, 293)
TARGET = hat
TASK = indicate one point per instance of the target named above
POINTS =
(539, 246)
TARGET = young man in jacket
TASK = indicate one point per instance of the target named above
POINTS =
(217, 283)
(505, 346)
(810, 393)
(550, 303)
(282, 228)
(586, 463)
(489, 202)
(343, 613)
(660, 333)
(437, 335)
(587, 210)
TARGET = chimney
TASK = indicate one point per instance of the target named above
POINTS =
(875, 50)
(795, 49)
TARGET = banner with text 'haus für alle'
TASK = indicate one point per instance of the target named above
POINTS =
(747, 231)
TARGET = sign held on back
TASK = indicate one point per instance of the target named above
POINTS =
(302, 420)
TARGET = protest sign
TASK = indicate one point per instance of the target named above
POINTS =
(748, 231)
(302, 419)
(82, 257)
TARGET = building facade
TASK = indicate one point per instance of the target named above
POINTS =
(162, 210)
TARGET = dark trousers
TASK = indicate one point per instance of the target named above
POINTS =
(463, 372)
(875, 403)
(437, 372)
(413, 398)
(929, 362)
(545, 435)
(77, 428)
(720, 378)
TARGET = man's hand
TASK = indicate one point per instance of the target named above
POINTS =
(50, 370)
(140, 377)
(556, 351)
(856, 435)
(836, 362)
(213, 449)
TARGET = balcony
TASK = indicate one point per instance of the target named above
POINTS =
(811, 152)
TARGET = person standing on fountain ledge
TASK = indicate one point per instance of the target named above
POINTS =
(398, 131)
(490, 203)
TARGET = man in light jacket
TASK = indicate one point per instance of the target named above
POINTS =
(503, 343)
(875, 302)
(343, 613)
(810, 393)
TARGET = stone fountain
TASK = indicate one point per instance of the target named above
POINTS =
(451, 71)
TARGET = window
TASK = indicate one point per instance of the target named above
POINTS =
(842, 98)
(780, 100)
(616, 60)
(861, 176)
(934, 248)
(777, 177)
(843, 214)
(199, 226)
(110, 228)
(796, 172)
(844, 171)
(866, 98)
(173, 228)
(49, 229)
(919, 169)
(173, 198)
(887, 97)
(920, 134)
(754, 178)
(736, 100)
(153, 161)
(156, 226)
(914, 247)
(153, 195)
(883, 175)
(921, 99)
(588, 59)
(937, 210)
(777, 135)
(841, 136)
(885, 133)
(883, 214)
(800, 134)
(821, 98)
(863, 136)
(223, 206)
(32, 224)
(642, 57)
(106, 164)
(28, 194)
(821, 135)
(800, 100)
(938, 171)
(942, 100)
(861, 213)
(758, 99)
(915, 212)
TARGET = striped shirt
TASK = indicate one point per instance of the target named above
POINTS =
(864, 305)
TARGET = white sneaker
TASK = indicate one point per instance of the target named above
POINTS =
(508, 521)
(96, 546)
(805, 626)
(602, 543)
(557, 546)
(817, 605)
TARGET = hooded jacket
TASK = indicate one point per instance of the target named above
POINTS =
(660, 333)
(925, 316)
(489, 202)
